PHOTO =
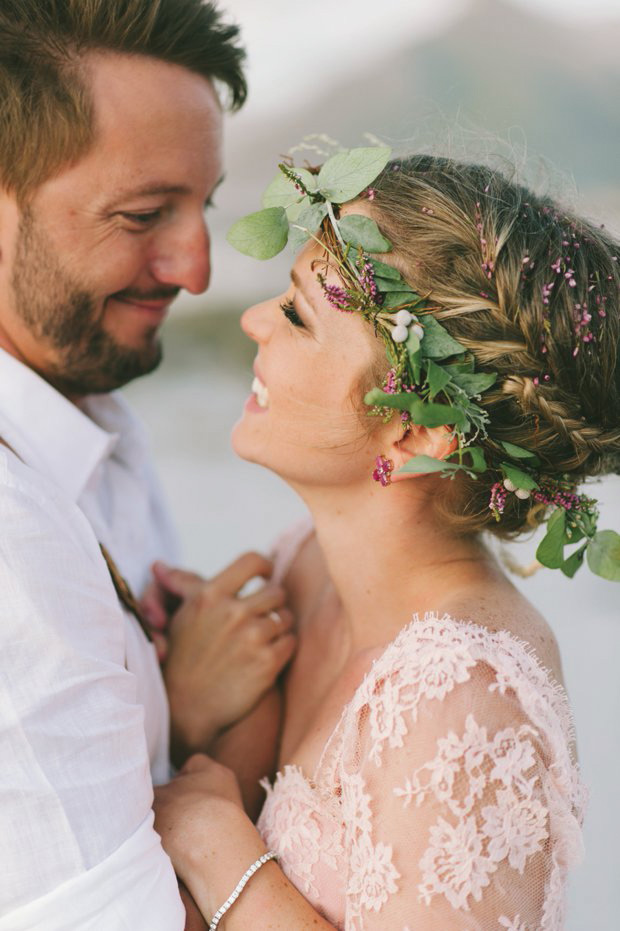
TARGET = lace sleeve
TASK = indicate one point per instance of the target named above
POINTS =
(461, 807)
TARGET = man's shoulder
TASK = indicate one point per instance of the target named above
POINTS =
(34, 507)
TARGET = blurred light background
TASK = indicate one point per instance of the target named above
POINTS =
(536, 82)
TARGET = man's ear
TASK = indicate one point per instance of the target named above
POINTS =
(436, 442)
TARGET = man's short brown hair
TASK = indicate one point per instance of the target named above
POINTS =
(46, 114)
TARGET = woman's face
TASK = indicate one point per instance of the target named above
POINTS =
(305, 417)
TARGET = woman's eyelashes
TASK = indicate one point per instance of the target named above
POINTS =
(289, 311)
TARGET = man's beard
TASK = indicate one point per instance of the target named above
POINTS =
(63, 316)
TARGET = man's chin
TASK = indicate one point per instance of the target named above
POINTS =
(108, 371)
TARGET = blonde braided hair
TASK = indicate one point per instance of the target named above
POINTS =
(533, 292)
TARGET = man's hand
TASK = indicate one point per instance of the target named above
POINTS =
(224, 651)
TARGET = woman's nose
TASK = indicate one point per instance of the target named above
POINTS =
(257, 321)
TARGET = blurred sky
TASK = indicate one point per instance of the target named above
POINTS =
(371, 28)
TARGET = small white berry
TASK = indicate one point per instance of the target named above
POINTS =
(522, 493)
(418, 330)
(509, 485)
(400, 334)
(403, 318)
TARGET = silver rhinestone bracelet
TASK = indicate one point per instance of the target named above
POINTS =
(234, 895)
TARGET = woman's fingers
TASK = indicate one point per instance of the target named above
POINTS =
(248, 566)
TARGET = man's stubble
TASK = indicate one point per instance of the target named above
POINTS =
(63, 316)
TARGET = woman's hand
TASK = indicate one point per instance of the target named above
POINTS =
(204, 830)
(224, 650)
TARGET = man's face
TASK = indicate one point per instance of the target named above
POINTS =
(90, 265)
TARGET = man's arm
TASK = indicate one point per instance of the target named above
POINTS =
(78, 846)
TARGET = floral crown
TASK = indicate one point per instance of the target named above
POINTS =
(432, 380)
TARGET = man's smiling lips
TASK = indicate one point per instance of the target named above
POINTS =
(157, 308)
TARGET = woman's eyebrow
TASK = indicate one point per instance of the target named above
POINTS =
(297, 282)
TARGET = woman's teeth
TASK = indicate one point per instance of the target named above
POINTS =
(261, 392)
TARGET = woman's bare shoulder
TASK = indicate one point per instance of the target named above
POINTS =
(500, 606)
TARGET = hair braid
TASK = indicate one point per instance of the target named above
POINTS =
(532, 292)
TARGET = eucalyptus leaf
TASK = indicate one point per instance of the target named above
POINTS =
(437, 342)
(574, 533)
(363, 232)
(394, 299)
(422, 412)
(347, 174)
(517, 452)
(416, 361)
(520, 479)
(478, 462)
(426, 464)
(393, 284)
(461, 368)
(260, 235)
(427, 414)
(550, 551)
(383, 270)
(604, 555)
(437, 378)
(294, 211)
(281, 192)
(306, 224)
(474, 384)
(413, 350)
(569, 566)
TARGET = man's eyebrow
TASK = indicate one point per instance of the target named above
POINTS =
(156, 189)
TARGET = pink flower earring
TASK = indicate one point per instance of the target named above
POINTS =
(383, 471)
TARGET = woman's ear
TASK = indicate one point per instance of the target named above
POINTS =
(436, 442)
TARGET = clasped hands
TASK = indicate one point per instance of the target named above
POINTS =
(220, 651)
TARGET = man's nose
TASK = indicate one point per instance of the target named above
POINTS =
(184, 259)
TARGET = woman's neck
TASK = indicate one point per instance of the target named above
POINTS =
(387, 556)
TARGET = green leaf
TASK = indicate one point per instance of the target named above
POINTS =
(433, 415)
(550, 550)
(478, 462)
(422, 412)
(395, 299)
(517, 452)
(437, 377)
(437, 342)
(307, 223)
(345, 175)
(423, 464)
(461, 368)
(383, 270)
(393, 284)
(294, 211)
(281, 192)
(569, 566)
(364, 232)
(520, 479)
(475, 384)
(260, 235)
(604, 555)
(415, 357)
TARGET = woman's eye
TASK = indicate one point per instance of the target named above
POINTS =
(291, 314)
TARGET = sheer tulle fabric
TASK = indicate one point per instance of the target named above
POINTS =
(447, 797)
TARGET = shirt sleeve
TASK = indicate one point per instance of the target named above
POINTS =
(75, 787)
(457, 815)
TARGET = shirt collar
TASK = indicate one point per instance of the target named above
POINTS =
(48, 432)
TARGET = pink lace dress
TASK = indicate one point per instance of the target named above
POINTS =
(447, 796)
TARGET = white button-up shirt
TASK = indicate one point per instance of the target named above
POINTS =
(83, 712)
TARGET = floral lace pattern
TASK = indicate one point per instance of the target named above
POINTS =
(447, 788)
